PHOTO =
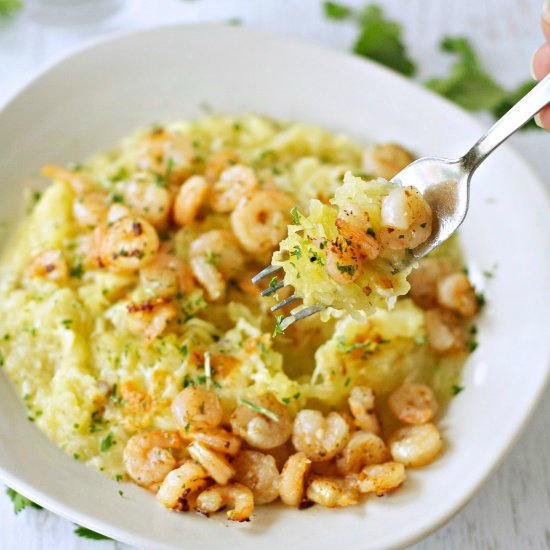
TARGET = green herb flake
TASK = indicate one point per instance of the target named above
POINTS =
(260, 409)
(187, 428)
(295, 216)
(2, 360)
(347, 381)
(349, 269)
(115, 197)
(336, 11)
(77, 269)
(456, 389)
(20, 502)
(184, 350)
(89, 534)
(371, 232)
(67, 323)
(107, 442)
(480, 299)
(30, 329)
(297, 251)
(278, 325)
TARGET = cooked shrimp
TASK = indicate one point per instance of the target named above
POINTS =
(423, 281)
(215, 257)
(380, 478)
(361, 404)
(128, 245)
(406, 219)
(416, 446)
(181, 483)
(344, 261)
(413, 403)
(257, 429)
(191, 196)
(259, 473)
(444, 331)
(48, 264)
(217, 439)
(332, 491)
(386, 160)
(457, 293)
(196, 407)
(319, 437)
(148, 200)
(147, 457)
(167, 154)
(363, 449)
(218, 162)
(214, 463)
(261, 219)
(292, 480)
(90, 209)
(354, 225)
(151, 317)
(77, 180)
(233, 184)
(164, 276)
(235, 495)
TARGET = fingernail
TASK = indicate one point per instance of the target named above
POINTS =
(546, 11)
(538, 120)
(532, 66)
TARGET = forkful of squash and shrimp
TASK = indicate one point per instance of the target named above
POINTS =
(355, 253)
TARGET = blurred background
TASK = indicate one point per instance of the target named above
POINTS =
(511, 511)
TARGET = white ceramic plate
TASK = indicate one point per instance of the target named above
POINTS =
(91, 99)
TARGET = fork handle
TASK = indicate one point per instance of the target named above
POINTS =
(513, 120)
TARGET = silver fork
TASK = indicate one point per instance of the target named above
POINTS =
(444, 183)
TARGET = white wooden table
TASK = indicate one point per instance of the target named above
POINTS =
(512, 510)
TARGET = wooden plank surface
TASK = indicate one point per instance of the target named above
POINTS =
(512, 510)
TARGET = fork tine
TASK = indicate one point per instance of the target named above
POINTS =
(306, 312)
(272, 289)
(285, 302)
(264, 273)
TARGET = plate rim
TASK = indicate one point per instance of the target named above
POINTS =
(56, 505)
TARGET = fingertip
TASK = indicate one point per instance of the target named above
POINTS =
(540, 62)
(542, 119)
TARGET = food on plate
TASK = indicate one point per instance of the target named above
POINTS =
(132, 332)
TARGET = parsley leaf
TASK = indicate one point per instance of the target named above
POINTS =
(336, 11)
(8, 8)
(89, 534)
(295, 216)
(20, 502)
(278, 325)
(468, 84)
(380, 40)
(107, 442)
(259, 408)
(456, 389)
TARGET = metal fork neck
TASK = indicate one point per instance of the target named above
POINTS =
(513, 120)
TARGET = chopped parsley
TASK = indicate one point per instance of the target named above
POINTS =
(278, 325)
(77, 269)
(295, 216)
(107, 442)
(480, 299)
(20, 502)
(30, 329)
(2, 360)
(89, 534)
(371, 232)
(213, 258)
(287, 400)
(184, 350)
(260, 409)
(456, 389)
(115, 197)
(273, 282)
(297, 251)
(67, 323)
(349, 269)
